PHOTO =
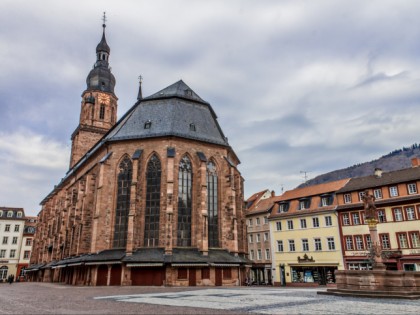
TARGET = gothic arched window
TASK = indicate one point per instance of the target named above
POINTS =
(212, 205)
(151, 225)
(184, 202)
(123, 203)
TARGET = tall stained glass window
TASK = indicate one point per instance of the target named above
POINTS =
(184, 202)
(151, 229)
(123, 203)
(212, 205)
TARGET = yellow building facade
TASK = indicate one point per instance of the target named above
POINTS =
(305, 236)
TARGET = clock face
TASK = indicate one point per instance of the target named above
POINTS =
(103, 99)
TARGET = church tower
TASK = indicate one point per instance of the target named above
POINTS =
(99, 104)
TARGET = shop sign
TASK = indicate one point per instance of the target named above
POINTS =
(415, 251)
(4, 261)
(360, 253)
(305, 259)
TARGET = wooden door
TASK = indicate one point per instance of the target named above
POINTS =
(192, 277)
(115, 275)
(102, 275)
(219, 277)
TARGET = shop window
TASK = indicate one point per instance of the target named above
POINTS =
(398, 215)
(358, 241)
(320, 275)
(303, 223)
(347, 198)
(290, 224)
(410, 214)
(227, 273)
(415, 239)
(278, 226)
(331, 243)
(328, 221)
(205, 273)
(3, 271)
(377, 193)
(393, 191)
(349, 242)
(402, 240)
(152, 209)
(385, 242)
(318, 244)
(381, 216)
(280, 246)
(412, 188)
(182, 273)
(315, 222)
(356, 218)
(305, 245)
(292, 245)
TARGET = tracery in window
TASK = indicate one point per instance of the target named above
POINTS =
(123, 203)
(152, 216)
(184, 202)
(212, 205)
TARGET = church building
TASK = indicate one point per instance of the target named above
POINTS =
(154, 198)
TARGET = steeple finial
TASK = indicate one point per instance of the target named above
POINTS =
(104, 21)
(140, 95)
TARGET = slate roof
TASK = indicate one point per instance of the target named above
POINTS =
(14, 216)
(388, 178)
(170, 112)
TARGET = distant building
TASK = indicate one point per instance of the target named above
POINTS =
(305, 235)
(154, 198)
(258, 208)
(26, 246)
(12, 221)
(398, 212)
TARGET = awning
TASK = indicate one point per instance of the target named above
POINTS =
(75, 264)
(103, 263)
(225, 265)
(190, 265)
(314, 265)
(145, 265)
(58, 267)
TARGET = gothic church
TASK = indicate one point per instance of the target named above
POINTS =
(154, 198)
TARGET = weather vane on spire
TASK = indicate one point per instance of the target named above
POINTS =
(140, 94)
(140, 78)
(104, 20)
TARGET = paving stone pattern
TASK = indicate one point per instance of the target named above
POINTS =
(49, 298)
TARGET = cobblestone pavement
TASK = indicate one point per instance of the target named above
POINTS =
(47, 298)
(274, 301)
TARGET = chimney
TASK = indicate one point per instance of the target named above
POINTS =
(273, 193)
(415, 162)
(378, 172)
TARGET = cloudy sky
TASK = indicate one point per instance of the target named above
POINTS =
(297, 85)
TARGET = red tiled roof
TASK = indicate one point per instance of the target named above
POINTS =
(314, 190)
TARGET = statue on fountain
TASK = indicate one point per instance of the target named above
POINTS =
(369, 205)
